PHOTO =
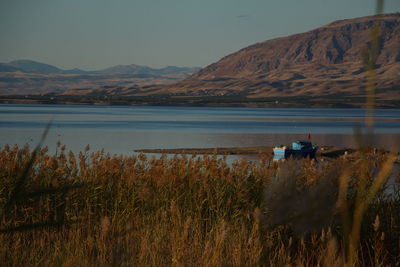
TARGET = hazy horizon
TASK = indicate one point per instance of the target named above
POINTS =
(97, 34)
(98, 69)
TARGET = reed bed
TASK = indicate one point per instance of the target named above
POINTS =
(97, 209)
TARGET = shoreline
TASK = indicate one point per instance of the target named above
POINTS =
(324, 151)
(288, 102)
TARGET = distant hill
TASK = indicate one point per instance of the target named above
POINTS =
(137, 69)
(324, 62)
(4, 67)
(33, 66)
(32, 77)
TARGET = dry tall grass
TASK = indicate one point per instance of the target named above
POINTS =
(96, 210)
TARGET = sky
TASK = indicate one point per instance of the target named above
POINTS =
(95, 34)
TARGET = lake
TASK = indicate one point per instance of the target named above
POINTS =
(122, 129)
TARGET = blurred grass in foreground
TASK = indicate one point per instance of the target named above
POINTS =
(353, 213)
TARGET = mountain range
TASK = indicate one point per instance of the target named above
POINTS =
(30, 66)
(324, 62)
(32, 77)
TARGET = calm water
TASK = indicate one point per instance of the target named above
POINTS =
(121, 129)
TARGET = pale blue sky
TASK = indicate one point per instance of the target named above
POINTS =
(94, 34)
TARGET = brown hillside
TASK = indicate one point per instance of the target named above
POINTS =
(324, 61)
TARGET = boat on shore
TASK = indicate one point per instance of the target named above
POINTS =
(299, 149)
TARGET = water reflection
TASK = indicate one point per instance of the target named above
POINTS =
(124, 129)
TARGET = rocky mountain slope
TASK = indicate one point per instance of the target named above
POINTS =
(322, 62)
